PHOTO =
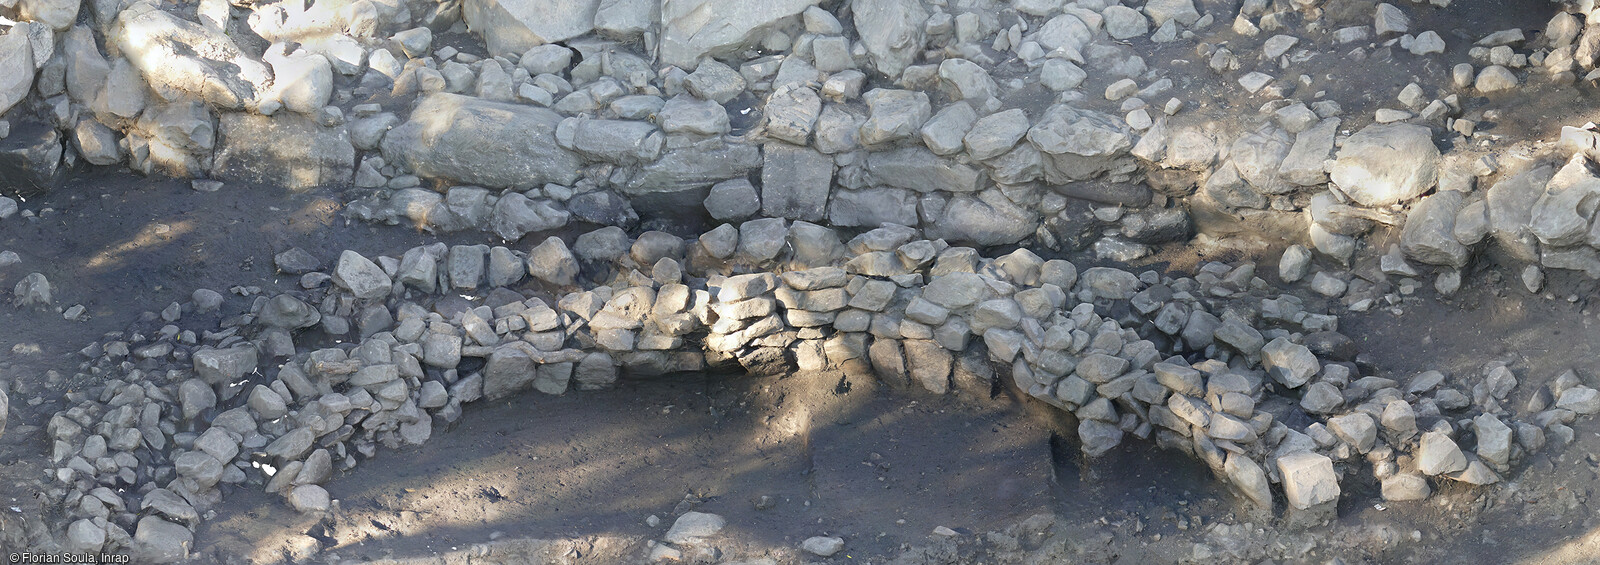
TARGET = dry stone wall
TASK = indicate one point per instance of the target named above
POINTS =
(1258, 385)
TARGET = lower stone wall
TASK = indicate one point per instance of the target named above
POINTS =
(1258, 385)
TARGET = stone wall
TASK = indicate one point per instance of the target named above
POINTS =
(1258, 385)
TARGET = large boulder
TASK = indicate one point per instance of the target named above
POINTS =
(159, 541)
(286, 149)
(361, 276)
(302, 81)
(86, 68)
(1081, 144)
(873, 207)
(1387, 163)
(695, 166)
(16, 68)
(611, 141)
(1303, 165)
(57, 14)
(916, 168)
(891, 30)
(1258, 157)
(895, 115)
(626, 19)
(516, 215)
(988, 219)
(1308, 479)
(179, 58)
(1561, 216)
(691, 29)
(509, 370)
(30, 158)
(176, 138)
(1429, 233)
(511, 27)
(795, 182)
(473, 141)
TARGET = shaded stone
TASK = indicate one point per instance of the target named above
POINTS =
(286, 149)
(473, 141)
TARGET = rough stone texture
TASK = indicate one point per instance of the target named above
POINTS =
(795, 182)
(159, 541)
(1510, 205)
(1294, 264)
(988, 219)
(508, 371)
(361, 276)
(1080, 144)
(891, 30)
(30, 157)
(514, 26)
(623, 142)
(552, 262)
(1579, 399)
(1495, 78)
(873, 207)
(894, 115)
(694, 167)
(1406, 486)
(1250, 480)
(180, 58)
(792, 114)
(32, 290)
(96, 143)
(1304, 163)
(219, 366)
(16, 69)
(1437, 454)
(1429, 233)
(733, 199)
(309, 499)
(302, 81)
(995, 134)
(1308, 479)
(516, 215)
(1180, 11)
(691, 29)
(1289, 363)
(288, 150)
(489, 144)
(1561, 216)
(1387, 163)
(626, 19)
(1122, 22)
(1098, 437)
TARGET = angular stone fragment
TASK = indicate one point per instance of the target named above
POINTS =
(1289, 363)
(1308, 479)
(1437, 454)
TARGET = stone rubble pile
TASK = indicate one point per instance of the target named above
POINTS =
(304, 385)
(1541, 214)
